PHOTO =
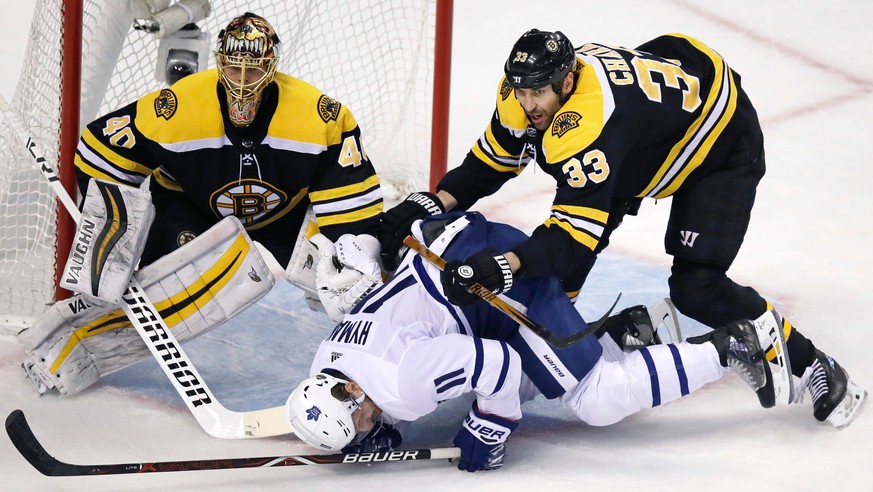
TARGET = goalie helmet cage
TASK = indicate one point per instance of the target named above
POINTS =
(387, 60)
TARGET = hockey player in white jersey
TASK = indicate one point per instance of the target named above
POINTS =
(405, 348)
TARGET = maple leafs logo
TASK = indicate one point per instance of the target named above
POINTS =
(313, 413)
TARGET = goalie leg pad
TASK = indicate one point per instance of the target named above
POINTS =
(109, 241)
(195, 289)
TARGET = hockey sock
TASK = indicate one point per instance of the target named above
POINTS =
(801, 351)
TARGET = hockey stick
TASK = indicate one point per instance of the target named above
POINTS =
(501, 305)
(212, 416)
(30, 448)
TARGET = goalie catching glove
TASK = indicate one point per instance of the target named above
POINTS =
(483, 440)
(395, 224)
(347, 271)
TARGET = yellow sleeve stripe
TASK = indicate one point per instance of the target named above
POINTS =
(577, 235)
(343, 191)
(489, 160)
(111, 156)
(695, 145)
(584, 212)
(352, 216)
(93, 171)
(174, 309)
(496, 149)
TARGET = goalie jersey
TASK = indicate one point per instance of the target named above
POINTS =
(410, 349)
(303, 149)
(642, 122)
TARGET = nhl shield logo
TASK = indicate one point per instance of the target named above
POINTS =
(166, 104)
(565, 122)
(328, 108)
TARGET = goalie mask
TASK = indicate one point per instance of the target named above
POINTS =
(320, 412)
(246, 55)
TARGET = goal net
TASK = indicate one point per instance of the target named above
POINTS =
(374, 56)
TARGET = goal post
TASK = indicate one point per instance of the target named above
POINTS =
(388, 61)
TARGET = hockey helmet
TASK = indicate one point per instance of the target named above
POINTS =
(540, 58)
(246, 55)
(320, 412)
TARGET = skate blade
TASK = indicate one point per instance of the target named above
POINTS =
(850, 407)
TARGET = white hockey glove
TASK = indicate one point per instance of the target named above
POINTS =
(347, 271)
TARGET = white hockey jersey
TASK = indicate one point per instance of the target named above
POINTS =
(409, 349)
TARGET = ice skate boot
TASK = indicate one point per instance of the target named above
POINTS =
(835, 398)
(739, 349)
(639, 326)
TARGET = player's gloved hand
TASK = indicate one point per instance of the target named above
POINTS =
(487, 267)
(483, 440)
(382, 437)
(394, 224)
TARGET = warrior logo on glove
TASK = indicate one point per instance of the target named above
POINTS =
(466, 272)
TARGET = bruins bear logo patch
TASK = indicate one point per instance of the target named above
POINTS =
(565, 122)
(328, 108)
(166, 104)
(505, 89)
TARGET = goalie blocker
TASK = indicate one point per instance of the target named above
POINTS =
(196, 288)
(109, 241)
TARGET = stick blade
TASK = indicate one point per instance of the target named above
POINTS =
(22, 437)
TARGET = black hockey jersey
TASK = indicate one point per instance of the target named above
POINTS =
(640, 123)
(304, 148)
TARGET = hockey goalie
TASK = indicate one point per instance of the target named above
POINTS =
(237, 156)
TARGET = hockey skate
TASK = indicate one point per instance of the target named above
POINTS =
(639, 326)
(739, 348)
(835, 397)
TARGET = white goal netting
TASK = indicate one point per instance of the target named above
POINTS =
(375, 56)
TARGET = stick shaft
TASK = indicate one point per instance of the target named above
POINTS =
(28, 445)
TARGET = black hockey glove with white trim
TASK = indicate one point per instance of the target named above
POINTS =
(483, 440)
(394, 224)
(382, 437)
(487, 267)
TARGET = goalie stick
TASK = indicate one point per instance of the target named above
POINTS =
(498, 303)
(212, 416)
(28, 445)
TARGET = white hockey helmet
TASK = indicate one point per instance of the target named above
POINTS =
(320, 412)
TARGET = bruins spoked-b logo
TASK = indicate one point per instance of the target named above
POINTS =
(565, 122)
(328, 108)
(247, 199)
(166, 104)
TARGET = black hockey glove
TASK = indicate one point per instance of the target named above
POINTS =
(395, 224)
(487, 267)
(382, 437)
(483, 440)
